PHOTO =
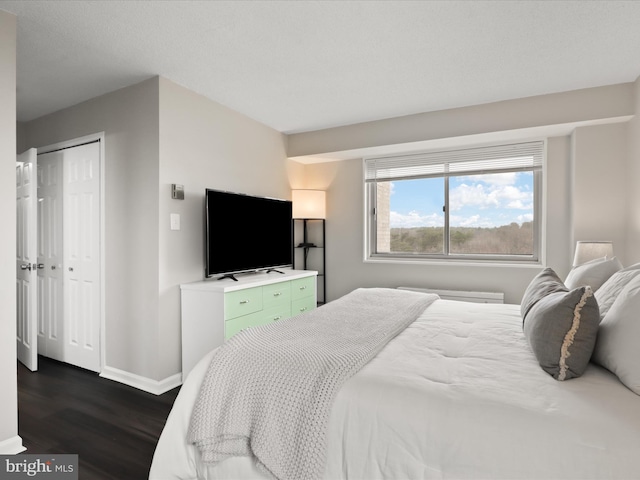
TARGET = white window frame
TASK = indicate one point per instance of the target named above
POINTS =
(498, 158)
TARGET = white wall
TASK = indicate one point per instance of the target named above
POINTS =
(345, 236)
(9, 440)
(600, 198)
(523, 113)
(204, 145)
(20, 140)
(129, 118)
(558, 211)
(580, 191)
(159, 133)
(632, 182)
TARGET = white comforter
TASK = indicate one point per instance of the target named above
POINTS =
(457, 395)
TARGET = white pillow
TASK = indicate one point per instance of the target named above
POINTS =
(593, 273)
(617, 343)
(610, 289)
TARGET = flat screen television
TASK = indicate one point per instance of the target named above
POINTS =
(245, 233)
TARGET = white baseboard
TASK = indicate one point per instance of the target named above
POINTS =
(157, 387)
(11, 446)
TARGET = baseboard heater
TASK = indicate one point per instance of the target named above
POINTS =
(463, 296)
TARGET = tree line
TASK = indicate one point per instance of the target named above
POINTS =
(512, 239)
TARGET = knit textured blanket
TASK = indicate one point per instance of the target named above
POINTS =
(269, 389)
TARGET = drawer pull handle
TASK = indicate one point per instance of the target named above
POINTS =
(242, 302)
(303, 309)
(277, 294)
(277, 318)
(303, 288)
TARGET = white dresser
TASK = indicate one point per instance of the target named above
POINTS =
(215, 310)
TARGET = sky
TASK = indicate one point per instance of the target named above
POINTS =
(488, 200)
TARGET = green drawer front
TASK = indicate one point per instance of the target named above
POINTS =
(235, 325)
(242, 302)
(276, 295)
(303, 287)
(277, 313)
(302, 305)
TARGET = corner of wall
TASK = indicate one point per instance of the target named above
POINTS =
(21, 139)
(129, 119)
(600, 172)
(204, 144)
(296, 172)
(633, 178)
(10, 442)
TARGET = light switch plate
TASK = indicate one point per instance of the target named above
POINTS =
(175, 221)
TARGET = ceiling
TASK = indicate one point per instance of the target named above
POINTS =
(306, 65)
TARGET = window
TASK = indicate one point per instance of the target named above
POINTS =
(478, 203)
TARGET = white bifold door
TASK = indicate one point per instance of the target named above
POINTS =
(68, 256)
(26, 259)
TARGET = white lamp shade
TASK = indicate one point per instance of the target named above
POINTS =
(587, 251)
(308, 203)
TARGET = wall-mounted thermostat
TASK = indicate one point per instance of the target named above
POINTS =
(177, 191)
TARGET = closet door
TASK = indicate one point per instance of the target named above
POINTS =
(50, 278)
(81, 233)
(26, 259)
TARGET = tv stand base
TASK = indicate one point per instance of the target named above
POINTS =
(228, 275)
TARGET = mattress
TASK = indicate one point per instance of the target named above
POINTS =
(458, 394)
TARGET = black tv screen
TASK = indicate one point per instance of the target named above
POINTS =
(246, 233)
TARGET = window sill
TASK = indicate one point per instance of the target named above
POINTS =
(449, 262)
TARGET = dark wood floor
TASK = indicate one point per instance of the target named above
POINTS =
(112, 427)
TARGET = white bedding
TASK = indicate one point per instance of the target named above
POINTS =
(459, 395)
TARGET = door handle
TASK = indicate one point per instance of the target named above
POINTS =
(40, 266)
(25, 266)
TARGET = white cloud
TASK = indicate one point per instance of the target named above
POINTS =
(485, 201)
(470, 196)
(492, 196)
(415, 219)
(516, 204)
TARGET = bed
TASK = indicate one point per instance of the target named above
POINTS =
(459, 394)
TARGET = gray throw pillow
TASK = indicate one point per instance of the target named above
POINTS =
(546, 282)
(560, 325)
